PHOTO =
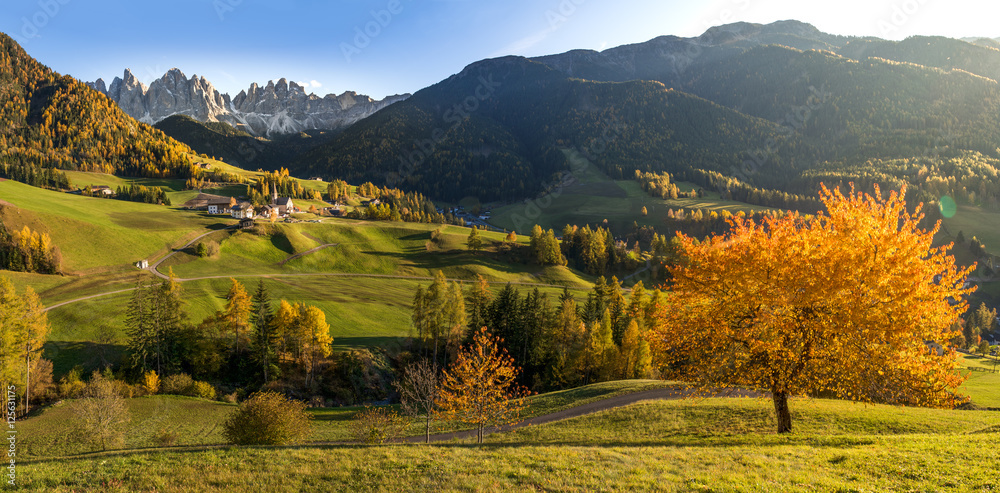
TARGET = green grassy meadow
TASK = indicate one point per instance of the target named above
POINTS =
(364, 282)
(984, 387)
(100, 235)
(594, 197)
(686, 445)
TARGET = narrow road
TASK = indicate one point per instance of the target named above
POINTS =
(57, 305)
(307, 252)
(668, 393)
(155, 267)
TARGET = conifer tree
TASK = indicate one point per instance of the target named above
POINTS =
(475, 241)
(265, 337)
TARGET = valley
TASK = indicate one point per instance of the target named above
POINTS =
(703, 263)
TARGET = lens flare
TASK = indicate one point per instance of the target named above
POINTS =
(948, 207)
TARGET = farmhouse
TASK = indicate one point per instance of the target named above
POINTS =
(246, 223)
(224, 206)
(101, 190)
(243, 210)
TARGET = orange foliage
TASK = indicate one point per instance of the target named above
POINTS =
(840, 303)
(479, 388)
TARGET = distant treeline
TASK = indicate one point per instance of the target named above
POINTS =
(26, 250)
(134, 193)
(33, 174)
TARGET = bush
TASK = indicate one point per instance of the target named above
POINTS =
(102, 413)
(150, 382)
(204, 390)
(377, 425)
(180, 384)
(267, 418)
(165, 438)
(71, 385)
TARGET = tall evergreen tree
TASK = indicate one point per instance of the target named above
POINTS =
(477, 303)
(265, 337)
(475, 241)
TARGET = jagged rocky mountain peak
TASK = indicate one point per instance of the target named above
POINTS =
(280, 107)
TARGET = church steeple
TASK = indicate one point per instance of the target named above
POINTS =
(274, 194)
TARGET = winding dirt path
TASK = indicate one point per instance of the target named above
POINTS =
(154, 269)
(667, 393)
(307, 252)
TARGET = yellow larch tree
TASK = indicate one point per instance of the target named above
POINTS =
(841, 303)
(480, 387)
(237, 314)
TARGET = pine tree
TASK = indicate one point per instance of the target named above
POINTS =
(629, 354)
(477, 303)
(139, 328)
(475, 241)
(265, 337)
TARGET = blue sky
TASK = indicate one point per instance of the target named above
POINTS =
(410, 44)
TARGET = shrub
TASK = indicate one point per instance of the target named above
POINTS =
(180, 384)
(267, 418)
(102, 413)
(230, 397)
(165, 437)
(377, 425)
(71, 385)
(150, 382)
(204, 390)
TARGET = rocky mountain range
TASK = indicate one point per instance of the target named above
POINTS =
(279, 108)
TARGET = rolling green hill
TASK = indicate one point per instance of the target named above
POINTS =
(364, 279)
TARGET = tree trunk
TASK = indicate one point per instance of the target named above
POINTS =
(427, 430)
(27, 376)
(781, 411)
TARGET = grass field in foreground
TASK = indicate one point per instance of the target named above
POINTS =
(198, 421)
(984, 387)
(690, 445)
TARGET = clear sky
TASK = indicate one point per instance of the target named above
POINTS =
(411, 44)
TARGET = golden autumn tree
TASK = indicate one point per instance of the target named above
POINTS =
(480, 388)
(840, 303)
(237, 314)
